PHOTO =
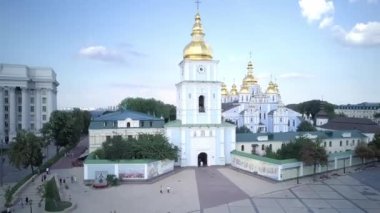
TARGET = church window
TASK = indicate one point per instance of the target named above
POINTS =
(346, 142)
(281, 120)
(264, 116)
(324, 144)
(142, 123)
(201, 103)
(260, 115)
(262, 147)
(115, 124)
(294, 123)
(128, 124)
(242, 148)
(270, 147)
(272, 98)
(353, 142)
(330, 143)
(251, 119)
(105, 123)
(213, 95)
(340, 143)
(288, 122)
(246, 98)
(189, 95)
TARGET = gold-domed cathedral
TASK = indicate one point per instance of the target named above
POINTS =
(258, 110)
(199, 133)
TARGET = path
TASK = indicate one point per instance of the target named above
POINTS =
(66, 162)
(215, 189)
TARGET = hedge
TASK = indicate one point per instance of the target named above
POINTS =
(52, 199)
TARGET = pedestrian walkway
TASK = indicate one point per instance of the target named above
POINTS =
(215, 189)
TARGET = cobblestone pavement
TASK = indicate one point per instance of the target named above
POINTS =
(221, 190)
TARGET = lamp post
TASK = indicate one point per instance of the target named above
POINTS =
(30, 204)
(1, 162)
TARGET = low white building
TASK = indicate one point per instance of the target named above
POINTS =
(124, 123)
(28, 95)
(362, 110)
(333, 141)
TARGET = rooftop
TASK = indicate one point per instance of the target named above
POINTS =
(287, 136)
(344, 123)
(124, 114)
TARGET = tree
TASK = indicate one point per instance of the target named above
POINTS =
(150, 106)
(290, 150)
(26, 151)
(62, 128)
(313, 107)
(243, 129)
(312, 153)
(305, 126)
(374, 145)
(363, 151)
(146, 146)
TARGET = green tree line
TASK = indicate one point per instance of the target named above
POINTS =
(146, 146)
(150, 106)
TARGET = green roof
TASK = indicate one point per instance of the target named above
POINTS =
(288, 136)
(265, 159)
(92, 160)
(178, 123)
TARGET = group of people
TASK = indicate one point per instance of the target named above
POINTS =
(168, 189)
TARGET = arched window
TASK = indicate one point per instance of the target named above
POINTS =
(201, 103)
(262, 147)
(128, 125)
(242, 148)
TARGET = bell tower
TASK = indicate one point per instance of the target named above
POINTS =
(199, 91)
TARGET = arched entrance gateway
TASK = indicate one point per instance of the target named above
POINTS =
(202, 159)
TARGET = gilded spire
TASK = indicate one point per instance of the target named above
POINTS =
(249, 79)
(197, 49)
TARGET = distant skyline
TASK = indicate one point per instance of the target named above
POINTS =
(105, 51)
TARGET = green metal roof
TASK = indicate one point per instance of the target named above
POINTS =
(92, 160)
(265, 159)
(178, 123)
(288, 136)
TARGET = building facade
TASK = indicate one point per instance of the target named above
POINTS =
(125, 123)
(200, 134)
(258, 110)
(333, 141)
(362, 110)
(28, 95)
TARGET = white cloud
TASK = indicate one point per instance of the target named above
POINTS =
(295, 75)
(362, 34)
(326, 22)
(101, 53)
(315, 10)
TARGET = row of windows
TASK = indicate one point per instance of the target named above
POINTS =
(114, 124)
(341, 143)
(360, 107)
(19, 109)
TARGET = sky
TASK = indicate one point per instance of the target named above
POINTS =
(105, 51)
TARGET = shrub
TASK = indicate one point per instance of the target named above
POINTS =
(112, 180)
(52, 199)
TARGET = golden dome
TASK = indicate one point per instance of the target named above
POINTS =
(272, 88)
(224, 89)
(249, 79)
(197, 49)
(234, 90)
(244, 89)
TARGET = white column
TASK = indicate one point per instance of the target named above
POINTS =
(12, 113)
(350, 162)
(37, 110)
(25, 109)
(335, 163)
(2, 133)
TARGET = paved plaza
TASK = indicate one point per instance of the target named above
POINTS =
(219, 190)
(214, 189)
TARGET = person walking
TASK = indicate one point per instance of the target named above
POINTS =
(161, 190)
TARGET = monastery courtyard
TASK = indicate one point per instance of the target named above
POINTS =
(222, 189)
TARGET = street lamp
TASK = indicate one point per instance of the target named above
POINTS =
(30, 204)
(1, 162)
